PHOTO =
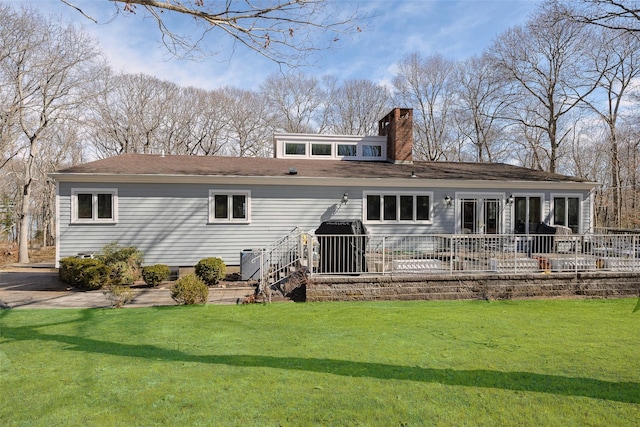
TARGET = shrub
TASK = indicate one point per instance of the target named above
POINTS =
(113, 253)
(118, 295)
(124, 261)
(154, 274)
(84, 273)
(210, 270)
(190, 289)
(123, 273)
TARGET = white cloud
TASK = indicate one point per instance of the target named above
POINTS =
(455, 28)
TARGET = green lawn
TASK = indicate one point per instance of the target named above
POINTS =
(561, 363)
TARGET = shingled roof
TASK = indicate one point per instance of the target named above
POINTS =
(157, 165)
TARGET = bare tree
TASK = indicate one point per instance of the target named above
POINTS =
(548, 62)
(196, 123)
(296, 100)
(611, 14)
(129, 113)
(483, 101)
(619, 66)
(43, 68)
(284, 31)
(355, 106)
(427, 85)
(247, 130)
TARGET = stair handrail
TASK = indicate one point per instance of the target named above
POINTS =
(278, 271)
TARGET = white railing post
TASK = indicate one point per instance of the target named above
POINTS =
(452, 255)
(309, 254)
(384, 254)
(575, 257)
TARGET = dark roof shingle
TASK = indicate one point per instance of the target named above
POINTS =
(147, 164)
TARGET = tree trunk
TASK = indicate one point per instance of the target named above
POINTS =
(23, 238)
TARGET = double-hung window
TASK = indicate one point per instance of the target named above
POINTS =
(91, 205)
(391, 207)
(229, 206)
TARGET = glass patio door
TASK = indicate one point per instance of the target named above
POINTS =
(491, 216)
(468, 216)
(480, 216)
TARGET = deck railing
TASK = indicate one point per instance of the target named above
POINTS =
(470, 253)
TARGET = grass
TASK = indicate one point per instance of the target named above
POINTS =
(561, 363)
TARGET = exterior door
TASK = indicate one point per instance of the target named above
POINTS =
(480, 216)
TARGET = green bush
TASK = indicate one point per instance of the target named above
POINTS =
(190, 289)
(125, 262)
(154, 274)
(211, 270)
(113, 253)
(84, 273)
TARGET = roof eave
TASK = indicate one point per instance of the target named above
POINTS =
(297, 180)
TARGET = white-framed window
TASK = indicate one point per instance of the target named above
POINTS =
(94, 205)
(321, 150)
(295, 149)
(347, 150)
(527, 212)
(387, 207)
(369, 150)
(229, 206)
(566, 210)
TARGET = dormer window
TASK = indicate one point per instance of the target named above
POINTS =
(345, 150)
(330, 147)
(295, 149)
(371, 151)
(321, 149)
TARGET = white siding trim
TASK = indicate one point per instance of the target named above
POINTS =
(57, 260)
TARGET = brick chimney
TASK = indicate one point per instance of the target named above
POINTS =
(397, 126)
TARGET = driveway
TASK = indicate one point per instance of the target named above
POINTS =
(37, 286)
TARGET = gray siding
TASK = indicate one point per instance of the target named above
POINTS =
(169, 222)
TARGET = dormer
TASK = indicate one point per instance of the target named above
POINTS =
(330, 147)
(394, 142)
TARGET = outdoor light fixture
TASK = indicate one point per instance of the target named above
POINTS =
(447, 201)
(345, 198)
(511, 199)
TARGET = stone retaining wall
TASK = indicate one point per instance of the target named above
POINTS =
(469, 287)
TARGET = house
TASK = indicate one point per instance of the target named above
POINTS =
(179, 209)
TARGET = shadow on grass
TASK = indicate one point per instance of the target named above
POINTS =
(626, 392)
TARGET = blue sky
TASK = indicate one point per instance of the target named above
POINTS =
(456, 29)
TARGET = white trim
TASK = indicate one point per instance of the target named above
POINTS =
(397, 194)
(592, 199)
(94, 210)
(229, 220)
(57, 221)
